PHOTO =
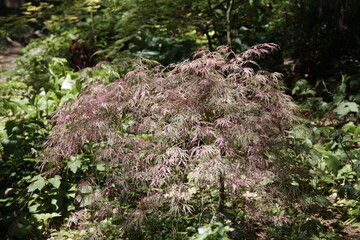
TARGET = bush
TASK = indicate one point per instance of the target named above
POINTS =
(160, 137)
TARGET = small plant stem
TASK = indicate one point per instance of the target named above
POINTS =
(346, 153)
(201, 209)
(221, 186)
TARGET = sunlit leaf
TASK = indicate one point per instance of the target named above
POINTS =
(87, 200)
(346, 107)
(349, 127)
(74, 164)
(46, 216)
(55, 203)
(100, 166)
(38, 184)
(68, 83)
(55, 181)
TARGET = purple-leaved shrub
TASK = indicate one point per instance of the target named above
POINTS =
(169, 129)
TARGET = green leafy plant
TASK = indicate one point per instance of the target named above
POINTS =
(212, 232)
(32, 203)
(339, 100)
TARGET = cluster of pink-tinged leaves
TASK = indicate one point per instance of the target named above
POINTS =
(215, 113)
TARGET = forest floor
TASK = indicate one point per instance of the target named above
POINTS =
(7, 57)
(352, 233)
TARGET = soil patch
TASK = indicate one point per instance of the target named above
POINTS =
(7, 57)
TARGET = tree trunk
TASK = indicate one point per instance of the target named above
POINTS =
(228, 23)
(13, 3)
(342, 15)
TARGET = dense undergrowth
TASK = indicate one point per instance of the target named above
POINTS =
(98, 142)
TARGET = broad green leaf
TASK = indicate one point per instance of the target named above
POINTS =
(55, 181)
(342, 86)
(356, 168)
(68, 83)
(355, 212)
(52, 95)
(322, 200)
(82, 232)
(294, 183)
(346, 169)
(327, 179)
(204, 232)
(12, 106)
(357, 225)
(72, 191)
(54, 202)
(346, 107)
(350, 202)
(192, 190)
(321, 149)
(86, 189)
(349, 127)
(308, 92)
(357, 132)
(23, 106)
(100, 166)
(190, 176)
(39, 183)
(70, 208)
(74, 164)
(87, 200)
(45, 216)
(42, 104)
(314, 237)
(34, 208)
(57, 66)
(67, 97)
(333, 164)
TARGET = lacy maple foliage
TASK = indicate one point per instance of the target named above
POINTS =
(163, 127)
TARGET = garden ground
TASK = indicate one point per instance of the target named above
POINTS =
(7, 57)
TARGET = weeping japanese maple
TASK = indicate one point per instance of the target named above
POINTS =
(162, 128)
